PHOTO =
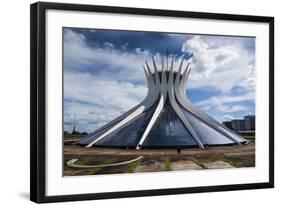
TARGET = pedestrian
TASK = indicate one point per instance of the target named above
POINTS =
(178, 150)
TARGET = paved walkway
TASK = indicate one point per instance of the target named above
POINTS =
(72, 161)
(237, 149)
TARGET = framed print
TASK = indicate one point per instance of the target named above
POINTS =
(129, 102)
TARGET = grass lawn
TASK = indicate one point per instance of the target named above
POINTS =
(73, 137)
(249, 137)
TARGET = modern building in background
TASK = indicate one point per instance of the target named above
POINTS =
(166, 118)
(238, 125)
(250, 122)
(246, 124)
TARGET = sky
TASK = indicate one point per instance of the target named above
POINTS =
(103, 74)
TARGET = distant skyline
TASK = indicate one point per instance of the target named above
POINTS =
(103, 73)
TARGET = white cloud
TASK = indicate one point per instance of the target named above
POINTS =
(227, 118)
(101, 93)
(232, 108)
(109, 45)
(220, 65)
(96, 102)
(116, 64)
(123, 65)
(224, 103)
(88, 88)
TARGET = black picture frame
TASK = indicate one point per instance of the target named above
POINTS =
(38, 100)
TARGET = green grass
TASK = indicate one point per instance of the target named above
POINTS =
(241, 161)
(249, 137)
(73, 137)
(131, 167)
(236, 161)
(82, 161)
(167, 163)
(88, 171)
(92, 171)
(198, 162)
(66, 167)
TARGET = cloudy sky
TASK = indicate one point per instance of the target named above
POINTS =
(103, 75)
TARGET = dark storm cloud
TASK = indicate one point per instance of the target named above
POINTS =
(155, 42)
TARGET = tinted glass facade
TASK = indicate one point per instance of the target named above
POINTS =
(130, 134)
(207, 134)
(92, 136)
(232, 134)
(168, 130)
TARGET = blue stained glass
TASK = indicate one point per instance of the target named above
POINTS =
(130, 134)
(168, 131)
(233, 135)
(92, 136)
(207, 134)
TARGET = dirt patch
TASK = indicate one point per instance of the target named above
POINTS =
(217, 165)
(150, 165)
(242, 160)
(185, 165)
